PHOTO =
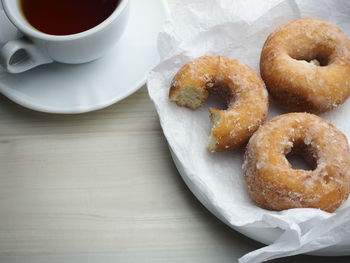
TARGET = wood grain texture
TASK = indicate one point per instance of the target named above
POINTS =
(99, 185)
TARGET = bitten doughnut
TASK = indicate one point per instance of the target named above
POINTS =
(273, 183)
(306, 65)
(238, 85)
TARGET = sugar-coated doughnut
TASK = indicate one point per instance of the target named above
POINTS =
(306, 65)
(273, 183)
(238, 85)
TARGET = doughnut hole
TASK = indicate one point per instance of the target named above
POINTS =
(301, 156)
(318, 55)
(218, 95)
(221, 91)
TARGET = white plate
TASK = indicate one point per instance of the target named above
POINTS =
(69, 89)
(263, 235)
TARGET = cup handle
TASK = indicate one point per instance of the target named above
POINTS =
(20, 55)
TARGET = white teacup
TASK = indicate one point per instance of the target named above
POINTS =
(40, 48)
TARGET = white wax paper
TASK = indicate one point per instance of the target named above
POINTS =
(238, 29)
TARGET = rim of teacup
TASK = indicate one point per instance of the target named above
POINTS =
(31, 31)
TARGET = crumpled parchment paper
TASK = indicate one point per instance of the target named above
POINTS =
(238, 29)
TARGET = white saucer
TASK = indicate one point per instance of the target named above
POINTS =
(69, 89)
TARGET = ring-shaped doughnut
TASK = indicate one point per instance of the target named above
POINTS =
(238, 85)
(318, 86)
(273, 183)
